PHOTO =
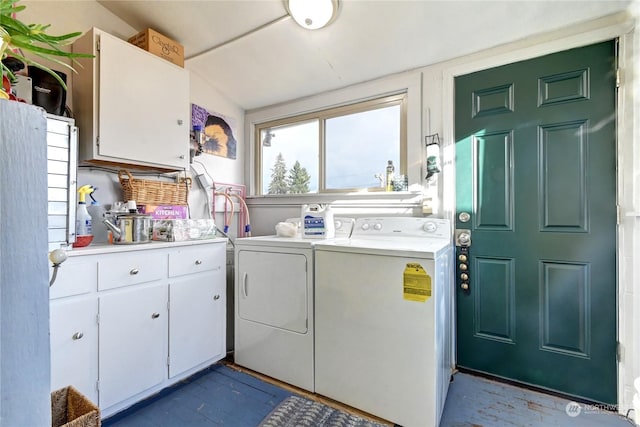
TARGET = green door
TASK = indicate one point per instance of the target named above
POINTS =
(535, 172)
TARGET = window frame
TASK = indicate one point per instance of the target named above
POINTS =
(322, 115)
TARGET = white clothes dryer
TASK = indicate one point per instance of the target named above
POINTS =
(383, 318)
(274, 297)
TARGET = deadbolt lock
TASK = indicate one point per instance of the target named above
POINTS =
(463, 238)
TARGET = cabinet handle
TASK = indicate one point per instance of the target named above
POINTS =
(155, 315)
(77, 336)
(134, 271)
(198, 262)
(182, 156)
(180, 122)
(216, 297)
(244, 284)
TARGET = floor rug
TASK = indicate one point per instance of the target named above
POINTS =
(297, 412)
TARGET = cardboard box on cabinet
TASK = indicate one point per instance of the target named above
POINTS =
(162, 46)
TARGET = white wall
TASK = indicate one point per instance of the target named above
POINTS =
(24, 291)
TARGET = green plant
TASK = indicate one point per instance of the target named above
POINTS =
(17, 38)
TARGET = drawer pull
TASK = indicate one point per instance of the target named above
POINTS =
(155, 315)
(216, 297)
(198, 262)
(77, 335)
(134, 271)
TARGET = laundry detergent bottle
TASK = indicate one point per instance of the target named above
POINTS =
(317, 222)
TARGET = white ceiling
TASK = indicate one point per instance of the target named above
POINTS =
(256, 55)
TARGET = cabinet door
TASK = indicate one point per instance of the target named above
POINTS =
(133, 342)
(74, 345)
(143, 106)
(197, 329)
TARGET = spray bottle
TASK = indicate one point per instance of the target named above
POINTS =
(98, 213)
(83, 219)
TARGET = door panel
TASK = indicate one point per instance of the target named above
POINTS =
(535, 168)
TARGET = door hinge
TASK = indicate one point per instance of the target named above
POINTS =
(618, 215)
(97, 45)
(618, 78)
(168, 360)
(619, 351)
(98, 385)
(98, 319)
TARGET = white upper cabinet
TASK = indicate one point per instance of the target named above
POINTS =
(131, 107)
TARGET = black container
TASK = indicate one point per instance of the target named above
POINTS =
(47, 92)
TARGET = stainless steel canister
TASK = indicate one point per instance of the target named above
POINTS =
(134, 228)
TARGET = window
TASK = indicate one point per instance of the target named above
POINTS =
(336, 150)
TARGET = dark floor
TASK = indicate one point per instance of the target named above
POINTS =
(221, 395)
(217, 396)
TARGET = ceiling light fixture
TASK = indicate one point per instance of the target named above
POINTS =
(312, 14)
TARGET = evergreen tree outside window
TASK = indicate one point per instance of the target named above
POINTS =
(298, 179)
(279, 183)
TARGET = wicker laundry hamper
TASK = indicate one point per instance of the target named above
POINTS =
(70, 408)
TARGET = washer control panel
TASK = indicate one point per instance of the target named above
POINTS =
(436, 228)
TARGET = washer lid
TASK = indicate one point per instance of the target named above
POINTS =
(403, 247)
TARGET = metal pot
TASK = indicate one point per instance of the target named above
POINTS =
(130, 228)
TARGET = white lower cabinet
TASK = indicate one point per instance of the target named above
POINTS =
(133, 342)
(145, 317)
(197, 310)
(74, 339)
(197, 306)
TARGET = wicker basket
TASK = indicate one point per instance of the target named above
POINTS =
(70, 408)
(149, 192)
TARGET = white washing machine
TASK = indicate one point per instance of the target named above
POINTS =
(383, 318)
(274, 290)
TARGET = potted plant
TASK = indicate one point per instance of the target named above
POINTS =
(16, 38)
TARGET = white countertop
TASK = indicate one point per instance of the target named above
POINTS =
(104, 248)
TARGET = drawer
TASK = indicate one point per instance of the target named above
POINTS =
(197, 258)
(130, 268)
(76, 276)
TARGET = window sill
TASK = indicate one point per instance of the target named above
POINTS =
(374, 199)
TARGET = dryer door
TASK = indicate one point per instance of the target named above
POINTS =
(273, 289)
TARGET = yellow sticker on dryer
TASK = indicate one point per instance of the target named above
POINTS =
(416, 283)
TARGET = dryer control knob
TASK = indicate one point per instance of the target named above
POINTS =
(377, 226)
(365, 226)
(429, 227)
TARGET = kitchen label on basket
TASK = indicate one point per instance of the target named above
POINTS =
(416, 283)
